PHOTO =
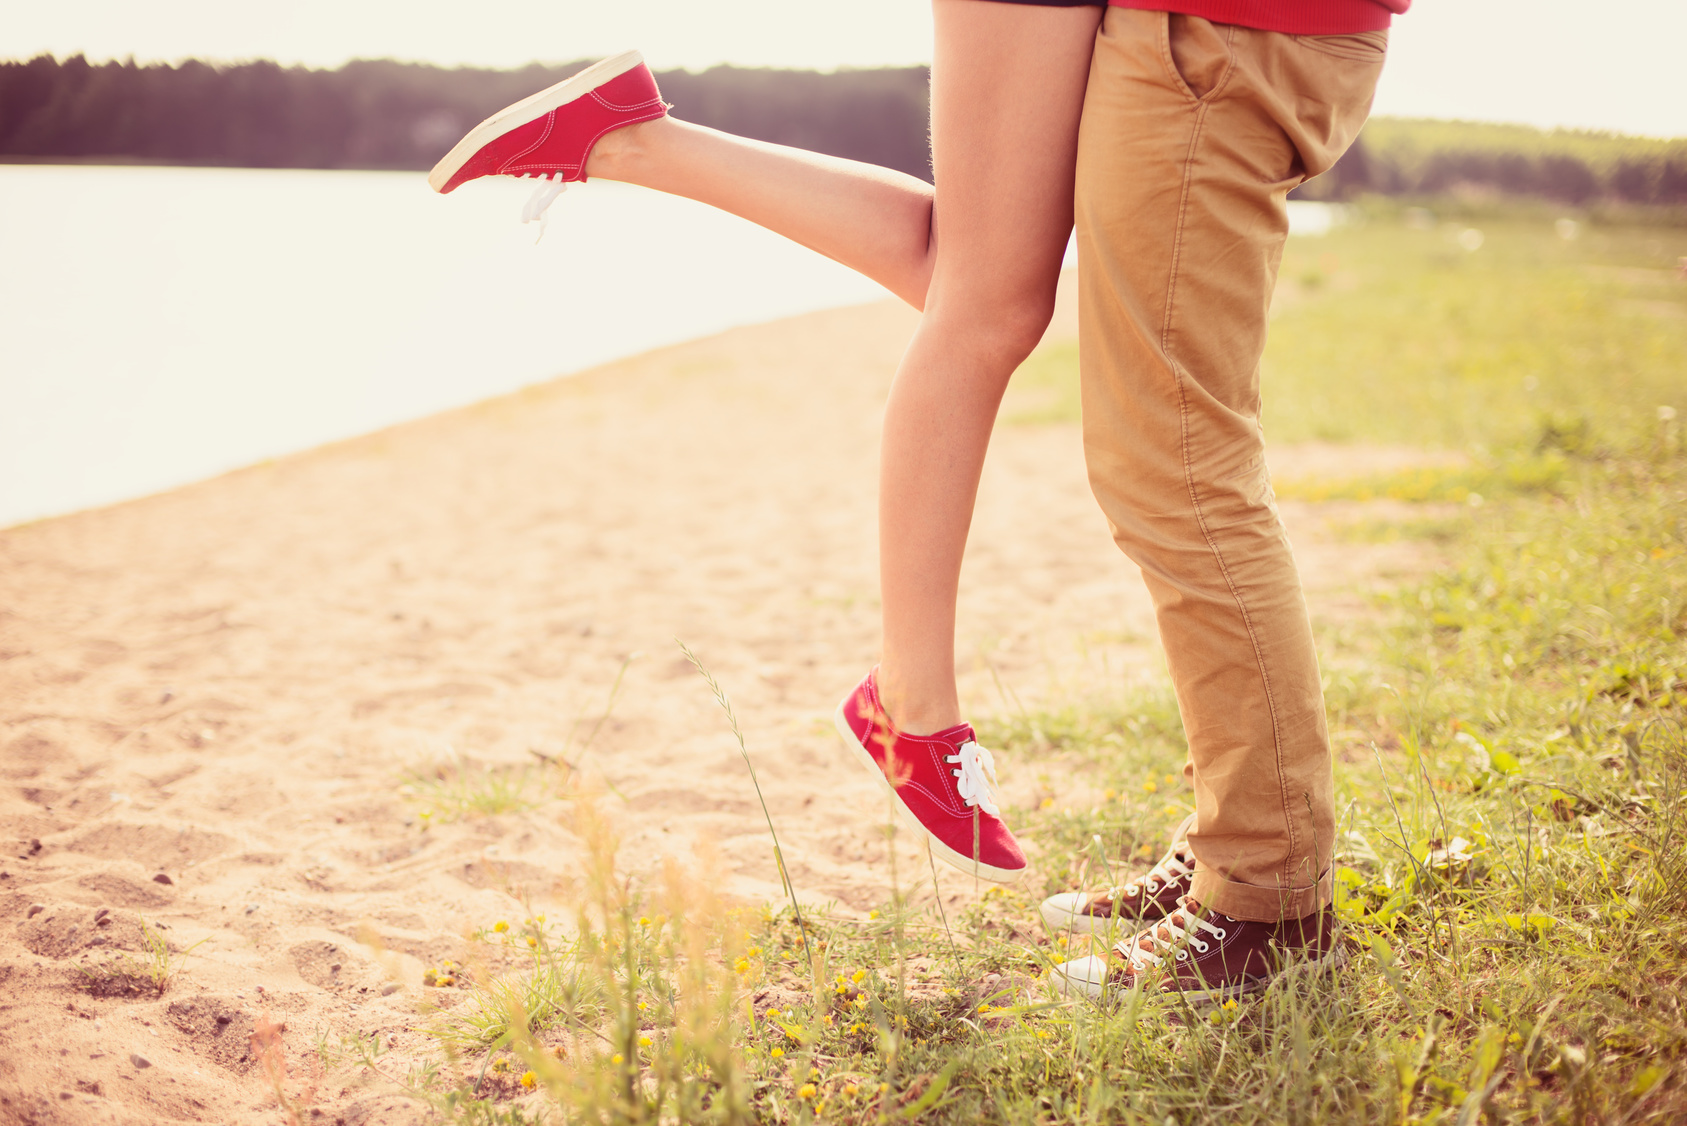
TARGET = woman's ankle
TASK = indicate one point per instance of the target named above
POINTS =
(616, 155)
(916, 712)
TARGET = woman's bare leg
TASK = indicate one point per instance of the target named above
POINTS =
(874, 220)
(1007, 92)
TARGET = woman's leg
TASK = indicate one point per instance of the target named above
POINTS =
(1007, 92)
(874, 220)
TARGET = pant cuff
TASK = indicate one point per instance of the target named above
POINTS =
(1260, 904)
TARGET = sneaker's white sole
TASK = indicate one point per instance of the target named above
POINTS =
(529, 108)
(1057, 911)
(938, 849)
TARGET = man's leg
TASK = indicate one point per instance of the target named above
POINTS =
(1193, 133)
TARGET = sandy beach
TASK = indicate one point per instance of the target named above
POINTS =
(215, 703)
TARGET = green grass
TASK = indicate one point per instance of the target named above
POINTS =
(1511, 741)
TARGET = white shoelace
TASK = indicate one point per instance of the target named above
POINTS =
(1172, 937)
(1179, 862)
(975, 776)
(544, 194)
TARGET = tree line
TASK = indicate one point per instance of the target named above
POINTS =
(384, 114)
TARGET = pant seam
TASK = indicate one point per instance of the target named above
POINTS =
(1194, 492)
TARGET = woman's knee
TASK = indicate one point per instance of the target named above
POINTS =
(1008, 325)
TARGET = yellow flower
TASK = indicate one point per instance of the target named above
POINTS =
(529, 1080)
(500, 1066)
(1043, 1034)
(1171, 779)
(540, 919)
(858, 976)
(617, 1059)
(742, 965)
(1230, 1005)
(447, 981)
(772, 1014)
(1109, 795)
(500, 926)
(984, 1008)
(806, 1091)
(643, 921)
(777, 1052)
(860, 1002)
(1046, 803)
(840, 987)
(827, 1019)
(1151, 786)
(857, 1027)
(850, 1089)
(532, 942)
(754, 951)
(644, 1041)
(642, 1006)
(872, 914)
(1061, 941)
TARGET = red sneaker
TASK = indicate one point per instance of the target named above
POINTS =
(941, 785)
(550, 134)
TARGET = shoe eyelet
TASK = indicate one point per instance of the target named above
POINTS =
(1221, 934)
(1202, 947)
(1183, 955)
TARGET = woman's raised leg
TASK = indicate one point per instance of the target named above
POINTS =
(874, 220)
(1007, 92)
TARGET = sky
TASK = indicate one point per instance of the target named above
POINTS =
(1615, 65)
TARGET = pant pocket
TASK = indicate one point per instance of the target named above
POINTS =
(1198, 52)
(1364, 47)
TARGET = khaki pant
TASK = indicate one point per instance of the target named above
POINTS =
(1193, 133)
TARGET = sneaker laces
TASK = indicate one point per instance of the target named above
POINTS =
(544, 194)
(975, 776)
(1175, 865)
(1170, 939)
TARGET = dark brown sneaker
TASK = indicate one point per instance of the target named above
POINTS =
(1152, 895)
(1207, 957)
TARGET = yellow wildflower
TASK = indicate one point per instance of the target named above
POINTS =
(529, 1080)
(532, 942)
(777, 1052)
(617, 1059)
(806, 1091)
(500, 926)
(644, 1041)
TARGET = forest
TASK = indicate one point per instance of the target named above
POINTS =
(380, 114)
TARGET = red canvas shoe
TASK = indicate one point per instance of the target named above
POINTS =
(941, 785)
(550, 134)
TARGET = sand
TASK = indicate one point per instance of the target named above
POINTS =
(211, 699)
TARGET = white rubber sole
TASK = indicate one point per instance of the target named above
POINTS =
(528, 109)
(938, 849)
(1061, 914)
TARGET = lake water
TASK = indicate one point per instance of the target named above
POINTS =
(162, 325)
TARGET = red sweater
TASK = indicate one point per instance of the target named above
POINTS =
(1297, 17)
